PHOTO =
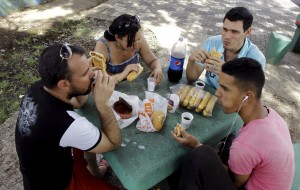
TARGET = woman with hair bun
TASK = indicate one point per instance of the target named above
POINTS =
(122, 45)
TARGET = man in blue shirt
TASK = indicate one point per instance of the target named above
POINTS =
(233, 43)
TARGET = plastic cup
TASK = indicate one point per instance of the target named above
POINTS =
(186, 119)
(151, 83)
(199, 84)
(173, 103)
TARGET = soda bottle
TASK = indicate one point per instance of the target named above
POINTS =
(177, 60)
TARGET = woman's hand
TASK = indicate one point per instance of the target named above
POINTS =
(129, 68)
(121, 76)
(157, 74)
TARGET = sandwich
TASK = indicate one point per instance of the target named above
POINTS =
(98, 60)
(133, 74)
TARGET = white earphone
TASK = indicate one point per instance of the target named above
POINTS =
(233, 122)
(246, 98)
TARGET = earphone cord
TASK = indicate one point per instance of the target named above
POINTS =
(232, 124)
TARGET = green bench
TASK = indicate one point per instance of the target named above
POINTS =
(278, 44)
(296, 182)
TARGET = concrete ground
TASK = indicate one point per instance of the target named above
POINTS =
(195, 21)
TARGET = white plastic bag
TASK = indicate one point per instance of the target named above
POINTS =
(145, 122)
(132, 100)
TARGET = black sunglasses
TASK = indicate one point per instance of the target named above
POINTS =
(126, 24)
(65, 51)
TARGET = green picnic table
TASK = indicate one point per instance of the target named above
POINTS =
(145, 159)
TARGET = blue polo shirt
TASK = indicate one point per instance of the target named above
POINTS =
(248, 50)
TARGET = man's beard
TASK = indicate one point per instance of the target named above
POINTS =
(75, 92)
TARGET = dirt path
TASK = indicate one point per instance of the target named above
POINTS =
(282, 91)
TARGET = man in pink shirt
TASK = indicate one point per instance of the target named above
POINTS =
(262, 155)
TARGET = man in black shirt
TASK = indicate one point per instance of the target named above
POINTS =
(48, 128)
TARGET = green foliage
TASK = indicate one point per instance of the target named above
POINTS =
(3, 84)
(24, 42)
(19, 66)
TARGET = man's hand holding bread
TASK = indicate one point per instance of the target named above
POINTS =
(211, 60)
(214, 62)
(184, 138)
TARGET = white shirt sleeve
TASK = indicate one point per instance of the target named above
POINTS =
(81, 134)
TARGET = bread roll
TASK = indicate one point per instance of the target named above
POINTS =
(189, 96)
(184, 93)
(214, 53)
(158, 118)
(98, 60)
(192, 100)
(210, 106)
(178, 129)
(199, 97)
(133, 74)
(204, 101)
(197, 110)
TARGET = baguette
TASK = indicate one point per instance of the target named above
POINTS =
(204, 101)
(98, 60)
(199, 97)
(192, 100)
(210, 106)
(189, 96)
(133, 74)
(184, 93)
(197, 110)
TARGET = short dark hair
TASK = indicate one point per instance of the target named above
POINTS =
(52, 67)
(116, 27)
(242, 14)
(248, 73)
